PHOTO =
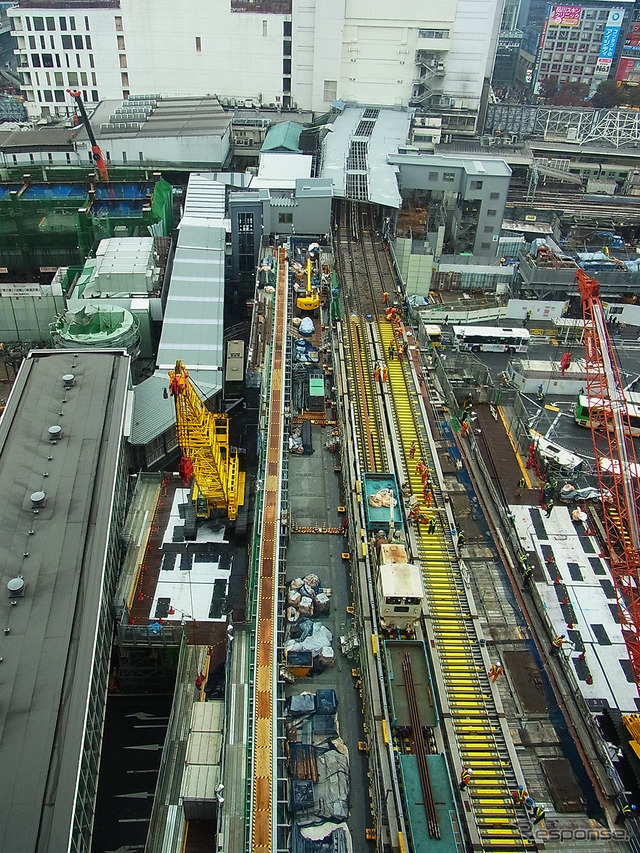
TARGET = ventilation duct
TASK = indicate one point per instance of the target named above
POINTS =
(55, 432)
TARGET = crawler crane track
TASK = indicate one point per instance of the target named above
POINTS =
(475, 727)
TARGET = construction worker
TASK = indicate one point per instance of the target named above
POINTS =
(376, 372)
(556, 645)
(550, 506)
(538, 814)
(384, 372)
(385, 297)
(465, 428)
(521, 484)
(432, 524)
(626, 811)
(461, 540)
(428, 496)
(412, 450)
(465, 777)
(519, 795)
(391, 351)
(528, 576)
(495, 672)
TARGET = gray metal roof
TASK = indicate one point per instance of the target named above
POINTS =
(480, 166)
(357, 163)
(185, 116)
(48, 656)
(193, 325)
(38, 139)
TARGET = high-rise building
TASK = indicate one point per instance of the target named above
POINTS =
(581, 44)
(272, 52)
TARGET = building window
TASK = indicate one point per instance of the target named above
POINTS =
(83, 78)
(264, 29)
(286, 29)
(123, 60)
(476, 185)
(488, 229)
(124, 157)
(51, 24)
(72, 77)
(68, 158)
(448, 177)
(63, 23)
(86, 23)
(433, 34)
(59, 96)
(485, 246)
(58, 78)
(286, 66)
(78, 62)
(198, 44)
(330, 90)
(67, 43)
(32, 42)
(72, 23)
(91, 61)
(494, 196)
(50, 157)
(125, 78)
(52, 42)
(433, 176)
(38, 24)
(285, 218)
(125, 94)
(118, 21)
(87, 41)
(43, 43)
(47, 60)
(492, 212)
(48, 96)
(286, 48)
(121, 43)
(28, 20)
(78, 43)
(94, 96)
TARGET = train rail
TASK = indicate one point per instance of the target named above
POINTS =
(263, 826)
(474, 728)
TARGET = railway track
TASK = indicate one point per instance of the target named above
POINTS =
(473, 728)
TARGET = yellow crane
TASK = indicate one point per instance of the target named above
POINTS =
(218, 482)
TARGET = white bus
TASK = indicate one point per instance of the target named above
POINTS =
(490, 339)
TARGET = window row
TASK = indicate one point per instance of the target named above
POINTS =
(51, 60)
(433, 34)
(73, 78)
(59, 96)
(68, 42)
(39, 24)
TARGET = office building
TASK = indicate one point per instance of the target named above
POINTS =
(436, 55)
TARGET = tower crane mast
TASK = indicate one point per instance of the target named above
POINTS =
(203, 436)
(613, 442)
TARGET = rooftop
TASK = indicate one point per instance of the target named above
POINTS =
(59, 552)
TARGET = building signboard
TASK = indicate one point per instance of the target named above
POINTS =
(610, 36)
(565, 16)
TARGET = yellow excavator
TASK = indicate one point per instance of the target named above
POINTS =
(310, 298)
(207, 460)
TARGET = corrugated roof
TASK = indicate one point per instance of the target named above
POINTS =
(193, 325)
(284, 136)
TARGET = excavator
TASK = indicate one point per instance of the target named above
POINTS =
(208, 464)
(310, 298)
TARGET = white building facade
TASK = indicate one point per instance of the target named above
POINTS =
(287, 53)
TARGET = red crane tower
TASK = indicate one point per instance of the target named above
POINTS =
(615, 460)
(96, 153)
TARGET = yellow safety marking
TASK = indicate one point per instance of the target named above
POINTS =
(523, 469)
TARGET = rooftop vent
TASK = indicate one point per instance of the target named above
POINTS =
(37, 500)
(55, 433)
(69, 380)
(15, 588)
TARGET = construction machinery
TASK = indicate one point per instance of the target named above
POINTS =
(96, 153)
(208, 463)
(310, 298)
(615, 463)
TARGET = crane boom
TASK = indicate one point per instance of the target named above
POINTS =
(612, 440)
(96, 152)
(204, 440)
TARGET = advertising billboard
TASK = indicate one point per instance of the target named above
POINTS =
(609, 41)
(565, 16)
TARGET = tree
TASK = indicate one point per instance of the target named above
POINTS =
(569, 95)
(608, 94)
(549, 86)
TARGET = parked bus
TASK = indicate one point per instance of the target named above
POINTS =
(586, 404)
(490, 339)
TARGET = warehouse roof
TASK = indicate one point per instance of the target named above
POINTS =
(162, 117)
(59, 552)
